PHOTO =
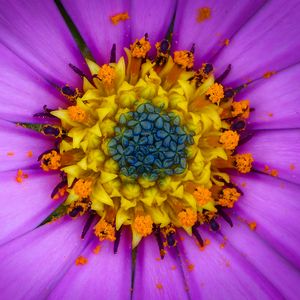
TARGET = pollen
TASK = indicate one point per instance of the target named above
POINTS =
(77, 114)
(60, 193)
(20, 176)
(105, 231)
(269, 74)
(140, 48)
(107, 75)
(202, 195)
(119, 17)
(143, 225)
(83, 188)
(226, 42)
(51, 161)
(81, 260)
(204, 13)
(10, 153)
(184, 58)
(29, 153)
(240, 109)
(229, 197)
(243, 162)
(215, 93)
(252, 225)
(187, 217)
(97, 249)
(159, 286)
(229, 139)
(292, 167)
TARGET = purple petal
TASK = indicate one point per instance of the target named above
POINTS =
(273, 205)
(266, 43)
(33, 264)
(275, 108)
(92, 19)
(221, 273)
(20, 147)
(23, 91)
(209, 36)
(25, 205)
(279, 150)
(105, 276)
(35, 31)
(156, 278)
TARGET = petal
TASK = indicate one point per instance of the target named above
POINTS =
(279, 150)
(219, 272)
(155, 278)
(209, 35)
(20, 147)
(92, 19)
(33, 264)
(105, 276)
(35, 31)
(275, 100)
(25, 205)
(23, 91)
(273, 205)
(266, 43)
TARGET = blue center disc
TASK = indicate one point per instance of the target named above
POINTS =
(150, 143)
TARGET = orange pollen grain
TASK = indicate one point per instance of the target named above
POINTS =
(252, 225)
(20, 176)
(269, 74)
(115, 19)
(83, 188)
(77, 114)
(97, 249)
(143, 225)
(140, 48)
(241, 109)
(184, 58)
(191, 267)
(10, 153)
(243, 162)
(292, 167)
(215, 93)
(229, 139)
(61, 192)
(226, 42)
(107, 75)
(29, 153)
(202, 195)
(204, 13)
(159, 286)
(81, 260)
(51, 161)
(105, 231)
(187, 217)
(274, 173)
(229, 197)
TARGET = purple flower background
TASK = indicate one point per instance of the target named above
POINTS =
(36, 48)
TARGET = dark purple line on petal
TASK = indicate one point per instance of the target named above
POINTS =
(117, 241)
(224, 216)
(197, 235)
(88, 224)
(224, 74)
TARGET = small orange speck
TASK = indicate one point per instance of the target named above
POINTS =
(115, 19)
(97, 249)
(159, 286)
(270, 115)
(243, 184)
(292, 167)
(173, 267)
(274, 173)
(20, 176)
(81, 260)
(191, 267)
(252, 225)
(204, 13)
(222, 245)
(157, 258)
(10, 153)
(226, 42)
(29, 153)
(269, 74)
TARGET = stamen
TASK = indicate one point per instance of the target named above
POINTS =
(187, 217)
(140, 48)
(240, 109)
(170, 236)
(238, 125)
(105, 231)
(83, 188)
(159, 242)
(51, 161)
(117, 241)
(88, 224)
(243, 162)
(224, 74)
(45, 114)
(224, 216)
(77, 114)
(228, 197)
(113, 54)
(143, 225)
(51, 130)
(229, 139)
(202, 195)
(119, 17)
(59, 190)
(215, 93)
(214, 225)
(107, 75)
(184, 59)
(197, 235)
(77, 71)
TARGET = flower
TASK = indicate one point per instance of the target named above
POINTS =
(258, 40)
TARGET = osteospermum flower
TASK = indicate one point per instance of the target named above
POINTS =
(150, 154)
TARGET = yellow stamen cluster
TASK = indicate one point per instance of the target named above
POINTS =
(140, 48)
(51, 161)
(105, 231)
(229, 197)
(187, 217)
(119, 17)
(184, 58)
(202, 195)
(77, 114)
(143, 225)
(215, 93)
(229, 139)
(240, 109)
(83, 187)
(243, 162)
(107, 75)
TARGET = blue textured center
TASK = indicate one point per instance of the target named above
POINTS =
(150, 143)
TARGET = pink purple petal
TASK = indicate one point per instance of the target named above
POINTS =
(24, 205)
(277, 150)
(156, 278)
(275, 100)
(266, 43)
(105, 275)
(36, 32)
(33, 264)
(92, 19)
(209, 36)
